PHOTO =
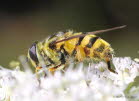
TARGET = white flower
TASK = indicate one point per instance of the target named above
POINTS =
(93, 83)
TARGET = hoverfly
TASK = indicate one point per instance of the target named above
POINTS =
(56, 50)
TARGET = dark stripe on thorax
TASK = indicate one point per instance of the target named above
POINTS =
(49, 59)
(62, 58)
(91, 42)
(52, 45)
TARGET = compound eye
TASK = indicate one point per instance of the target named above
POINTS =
(32, 52)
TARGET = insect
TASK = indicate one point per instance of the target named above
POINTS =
(54, 52)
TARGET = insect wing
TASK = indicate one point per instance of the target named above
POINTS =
(89, 33)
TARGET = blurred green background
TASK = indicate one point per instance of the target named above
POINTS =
(24, 21)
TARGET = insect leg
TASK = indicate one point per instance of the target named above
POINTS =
(59, 67)
(37, 69)
(109, 67)
(36, 72)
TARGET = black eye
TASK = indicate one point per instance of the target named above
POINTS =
(32, 53)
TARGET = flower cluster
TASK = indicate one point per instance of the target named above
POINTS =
(83, 83)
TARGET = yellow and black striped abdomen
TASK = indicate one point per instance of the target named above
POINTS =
(92, 46)
(89, 46)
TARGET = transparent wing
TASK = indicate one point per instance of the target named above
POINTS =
(90, 33)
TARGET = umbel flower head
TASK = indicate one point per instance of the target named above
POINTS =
(85, 83)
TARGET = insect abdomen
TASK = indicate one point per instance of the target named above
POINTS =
(91, 47)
